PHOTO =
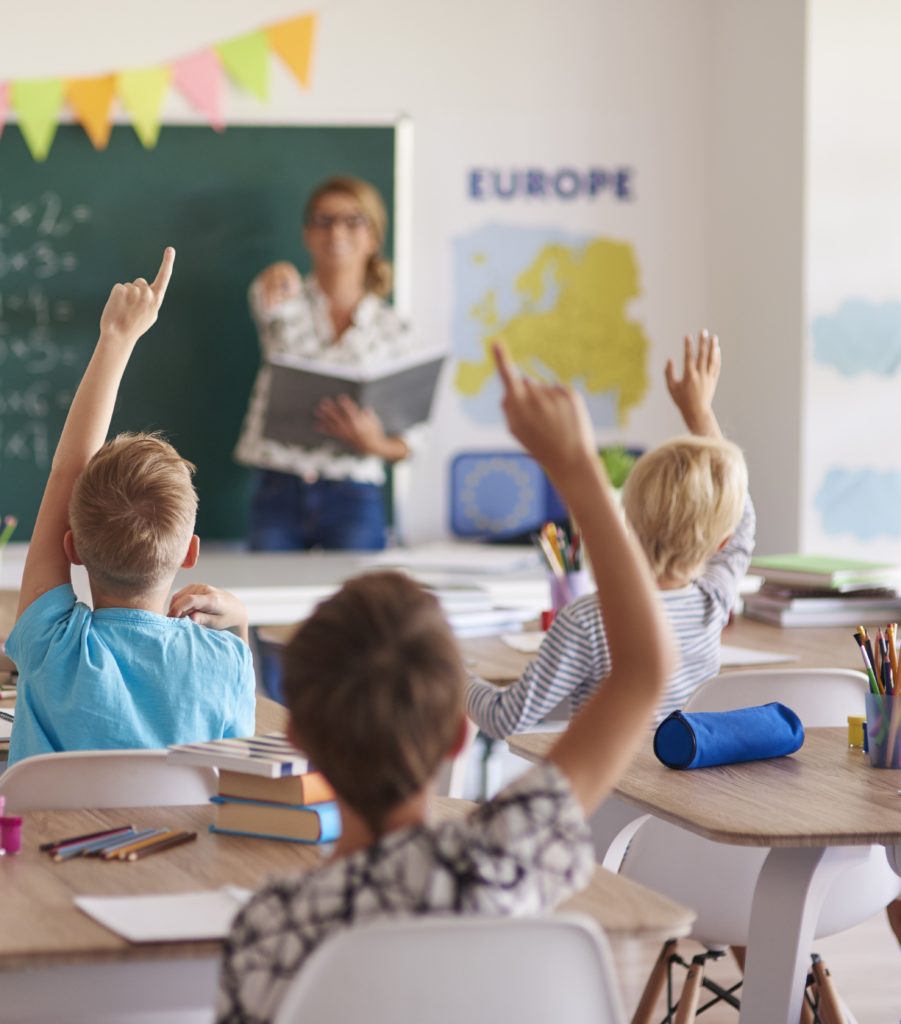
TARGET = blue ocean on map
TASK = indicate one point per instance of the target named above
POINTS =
(865, 503)
(860, 337)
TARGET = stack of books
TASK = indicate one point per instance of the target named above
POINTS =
(266, 789)
(818, 590)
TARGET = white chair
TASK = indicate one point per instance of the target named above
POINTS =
(104, 778)
(717, 880)
(446, 970)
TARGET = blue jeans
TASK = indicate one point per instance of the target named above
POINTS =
(288, 514)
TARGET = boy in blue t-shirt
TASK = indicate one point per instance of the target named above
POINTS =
(138, 670)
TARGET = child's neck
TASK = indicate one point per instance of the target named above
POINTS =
(156, 600)
(357, 835)
(673, 582)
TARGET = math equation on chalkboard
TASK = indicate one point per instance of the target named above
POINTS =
(38, 356)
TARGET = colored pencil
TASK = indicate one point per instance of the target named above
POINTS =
(57, 843)
(165, 843)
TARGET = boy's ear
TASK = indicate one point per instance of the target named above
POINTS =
(725, 541)
(69, 548)
(193, 553)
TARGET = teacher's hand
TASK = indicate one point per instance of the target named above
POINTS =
(361, 429)
(276, 284)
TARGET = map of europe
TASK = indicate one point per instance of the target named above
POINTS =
(560, 301)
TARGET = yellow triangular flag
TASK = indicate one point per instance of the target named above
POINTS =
(37, 102)
(142, 93)
(246, 59)
(91, 100)
(293, 42)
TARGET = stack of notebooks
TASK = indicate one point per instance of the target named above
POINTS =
(266, 789)
(818, 590)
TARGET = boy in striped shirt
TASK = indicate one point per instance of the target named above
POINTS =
(688, 504)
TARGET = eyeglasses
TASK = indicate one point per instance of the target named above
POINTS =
(324, 221)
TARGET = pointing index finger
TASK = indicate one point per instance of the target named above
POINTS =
(161, 281)
(505, 366)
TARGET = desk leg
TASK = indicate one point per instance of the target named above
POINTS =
(612, 826)
(790, 891)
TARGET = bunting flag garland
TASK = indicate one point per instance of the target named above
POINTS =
(91, 100)
(142, 93)
(293, 42)
(246, 59)
(199, 77)
(37, 102)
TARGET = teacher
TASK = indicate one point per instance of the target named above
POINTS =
(326, 496)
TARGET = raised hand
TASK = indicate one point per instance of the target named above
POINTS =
(131, 309)
(693, 393)
(549, 420)
(276, 284)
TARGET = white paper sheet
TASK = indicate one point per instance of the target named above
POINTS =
(734, 656)
(730, 657)
(527, 643)
(169, 917)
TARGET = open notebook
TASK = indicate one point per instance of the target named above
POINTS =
(7, 715)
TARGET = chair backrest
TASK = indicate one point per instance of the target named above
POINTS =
(818, 696)
(446, 970)
(104, 778)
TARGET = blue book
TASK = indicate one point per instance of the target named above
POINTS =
(297, 823)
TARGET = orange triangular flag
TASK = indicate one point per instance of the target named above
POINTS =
(293, 42)
(91, 100)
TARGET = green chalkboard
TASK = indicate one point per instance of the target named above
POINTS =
(71, 227)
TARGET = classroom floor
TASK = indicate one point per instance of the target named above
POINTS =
(865, 963)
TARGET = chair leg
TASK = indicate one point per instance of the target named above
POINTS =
(654, 987)
(691, 991)
(830, 1008)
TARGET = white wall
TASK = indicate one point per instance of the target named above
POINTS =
(853, 252)
(756, 79)
(676, 91)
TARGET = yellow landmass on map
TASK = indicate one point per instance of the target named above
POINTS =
(584, 336)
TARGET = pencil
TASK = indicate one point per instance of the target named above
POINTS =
(58, 843)
(165, 843)
(131, 843)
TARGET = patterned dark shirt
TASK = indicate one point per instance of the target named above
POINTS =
(521, 853)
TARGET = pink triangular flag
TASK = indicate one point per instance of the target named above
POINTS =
(199, 79)
(4, 103)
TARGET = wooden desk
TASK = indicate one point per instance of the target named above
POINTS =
(812, 809)
(54, 960)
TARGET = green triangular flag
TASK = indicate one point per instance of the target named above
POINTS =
(37, 102)
(246, 59)
(142, 93)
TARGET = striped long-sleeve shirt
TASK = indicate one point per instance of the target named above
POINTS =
(574, 657)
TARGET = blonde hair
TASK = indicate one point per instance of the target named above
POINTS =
(379, 276)
(683, 500)
(373, 681)
(132, 513)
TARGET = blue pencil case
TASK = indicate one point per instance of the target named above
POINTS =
(701, 739)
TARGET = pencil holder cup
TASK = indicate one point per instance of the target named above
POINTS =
(884, 730)
(565, 589)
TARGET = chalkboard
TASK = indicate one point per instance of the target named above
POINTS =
(71, 227)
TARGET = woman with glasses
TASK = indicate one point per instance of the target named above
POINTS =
(331, 495)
